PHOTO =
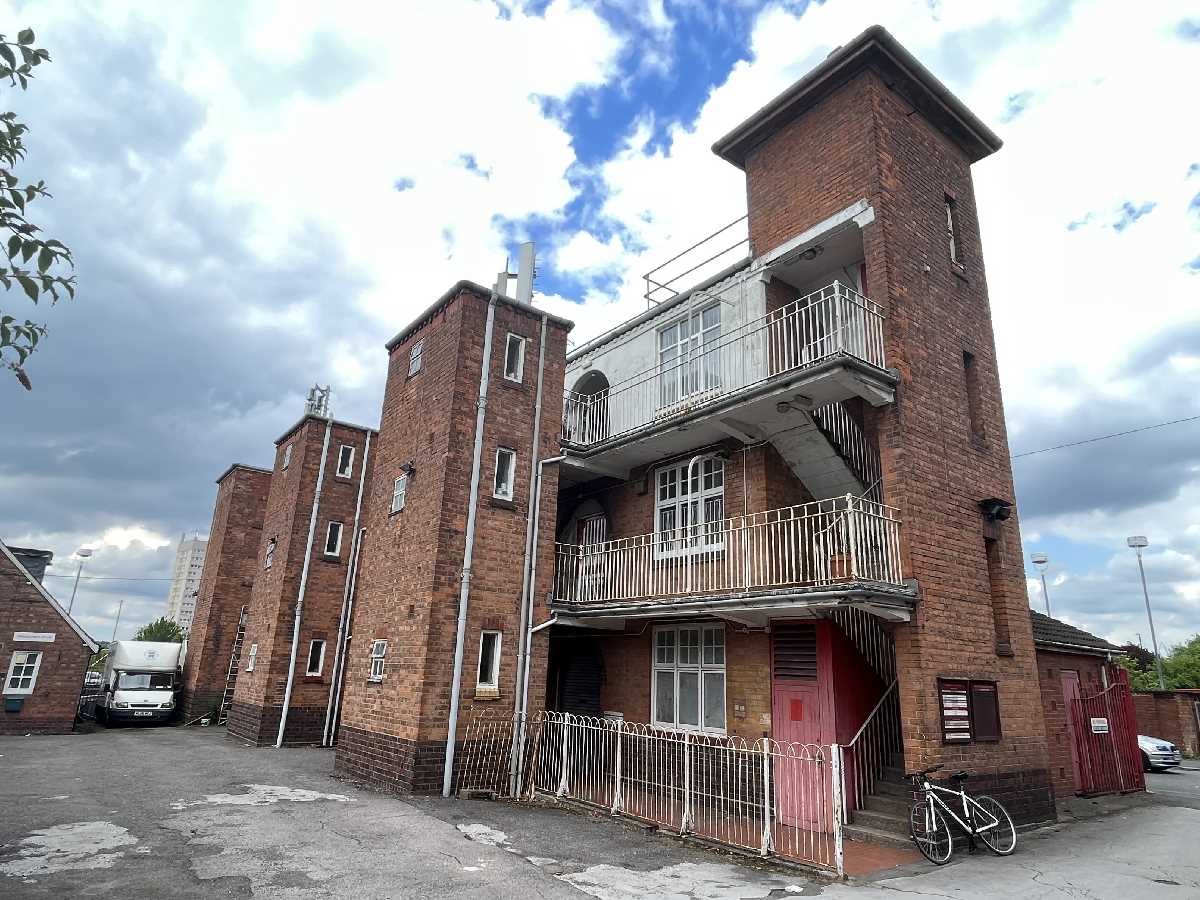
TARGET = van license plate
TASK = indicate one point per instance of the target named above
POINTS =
(139, 712)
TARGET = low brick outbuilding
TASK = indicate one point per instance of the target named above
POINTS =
(43, 650)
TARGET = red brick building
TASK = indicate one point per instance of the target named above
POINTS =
(305, 559)
(230, 566)
(43, 650)
(1171, 716)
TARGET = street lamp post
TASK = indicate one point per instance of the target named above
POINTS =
(81, 554)
(1137, 542)
(1041, 560)
(118, 621)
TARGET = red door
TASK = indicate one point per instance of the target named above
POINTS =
(1070, 689)
(801, 724)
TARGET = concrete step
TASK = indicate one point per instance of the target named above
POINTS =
(882, 821)
(856, 832)
(888, 803)
(893, 789)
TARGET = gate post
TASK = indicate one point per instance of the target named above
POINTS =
(835, 760)
(685, 824)
(562, 781)
(768, 838)
(618, 801)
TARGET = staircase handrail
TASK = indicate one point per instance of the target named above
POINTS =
(854, 740)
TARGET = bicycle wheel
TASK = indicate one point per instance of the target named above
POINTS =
(930, 833)
(1002, 839)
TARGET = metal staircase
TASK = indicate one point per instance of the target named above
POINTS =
(235, 658)
(831, 454)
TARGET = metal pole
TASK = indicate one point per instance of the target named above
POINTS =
(1045, 593)
(71, 605)
(118, 621)
(1162, 684)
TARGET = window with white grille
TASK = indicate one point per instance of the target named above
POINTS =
(688, 358)
(488, 679)
(415, 357)
(399, 489)
(689, 677)
(22, 672)
(378, 655)
(689, 518)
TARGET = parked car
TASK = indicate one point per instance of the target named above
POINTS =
(1158, 754)
(92, 679)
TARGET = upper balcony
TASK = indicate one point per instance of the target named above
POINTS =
(817, 349)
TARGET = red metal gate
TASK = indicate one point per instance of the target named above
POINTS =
(1104, 731)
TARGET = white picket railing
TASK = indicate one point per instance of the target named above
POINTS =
(833, 321)
(824, 543)
(852, 443)
(876, 743)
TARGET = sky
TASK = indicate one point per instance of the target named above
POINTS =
(258, 199)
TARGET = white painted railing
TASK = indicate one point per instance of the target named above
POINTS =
(824, 543)
(834, 321)
(876, 743)
(852, 443)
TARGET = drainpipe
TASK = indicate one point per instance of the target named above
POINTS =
(312, 528)
(516, 767)
(464, 592)
(530, 537)
(341, 678)
(335, 687)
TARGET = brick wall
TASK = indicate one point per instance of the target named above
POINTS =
(270, 618)
(225, 585)
(1058, 737)
(50, 709)
(1169, 716)
(863, 141)
(413, 559)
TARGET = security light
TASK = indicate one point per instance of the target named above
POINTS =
(1137, 541)
(1039, 559)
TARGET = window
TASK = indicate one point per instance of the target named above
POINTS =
(414, 357)
(333, 539)
(689, 677)
(514, 358)
(345, 461)
(145, 681)
(287, 456)
(688, 357)
(689, 518)
(952, 231)
(269, 559)
(970, 711)
(22, 672)
(378, 652)
(488, 680)
(506, 466)
(251, 657)
(316, 658)
(399, 489)
(974, 396)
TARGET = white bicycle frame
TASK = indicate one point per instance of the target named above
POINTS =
(933, 800)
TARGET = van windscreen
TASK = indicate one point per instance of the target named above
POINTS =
(145, 681)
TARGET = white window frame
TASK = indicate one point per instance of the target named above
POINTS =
(9, 690)
(702, 666)
(399, 493)
(287, 455)
(349, 468)
(251, 657)
(491, 685)
(378, 660)
(510, 490)
(416, 357)
(696, 518)
(308, 669)
(337, 550)
(952, 229)
(519, 373)
(269, 556)
(689, 361)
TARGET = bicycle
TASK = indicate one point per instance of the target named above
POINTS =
(983, 817)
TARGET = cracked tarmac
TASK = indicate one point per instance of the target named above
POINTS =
(159, 812)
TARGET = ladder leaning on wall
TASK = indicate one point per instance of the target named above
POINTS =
(235, 657)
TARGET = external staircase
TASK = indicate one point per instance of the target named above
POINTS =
(883, 818)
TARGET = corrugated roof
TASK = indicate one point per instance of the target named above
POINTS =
(1050, 631)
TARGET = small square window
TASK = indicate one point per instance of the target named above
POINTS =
(378, 653)
(345, 464)
(269, 559)
(333, 539)
(22, 672)
(287, 456)
(514, 358)
(251, 657)
(415, 356)
(506, 466)
(316, 658)
(488, 679)
(399, 490)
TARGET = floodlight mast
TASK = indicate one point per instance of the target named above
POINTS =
(1137, 542)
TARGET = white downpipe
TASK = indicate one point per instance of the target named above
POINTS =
(464, 592)
(362, 533)
(312, 528)
(526, 589)
(335, 689)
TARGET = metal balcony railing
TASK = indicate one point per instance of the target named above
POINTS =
(853, 445)
(833, 321)
(821, 544)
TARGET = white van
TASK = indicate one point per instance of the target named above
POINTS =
(140, 678)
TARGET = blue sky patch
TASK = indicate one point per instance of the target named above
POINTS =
(1015, 105)
(403, 184)
(1130, 214)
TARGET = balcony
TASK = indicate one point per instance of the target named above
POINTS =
(845, 544)
(824, 347)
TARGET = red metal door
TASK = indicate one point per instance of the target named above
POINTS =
(1070, 689)
(1105, 732)
(801, 795)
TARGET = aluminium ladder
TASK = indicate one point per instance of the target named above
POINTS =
(231, 676)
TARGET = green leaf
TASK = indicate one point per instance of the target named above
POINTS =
(45, 259)
(8, 56)
(29, 248)
(25, 36)
(14, 245)
(17, 198)
(30, 286)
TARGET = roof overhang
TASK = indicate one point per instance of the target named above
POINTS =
(876, 49)
(259, 469)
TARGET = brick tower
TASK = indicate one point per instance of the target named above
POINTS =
(286, 561)
(229, 569)
(397, 695)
